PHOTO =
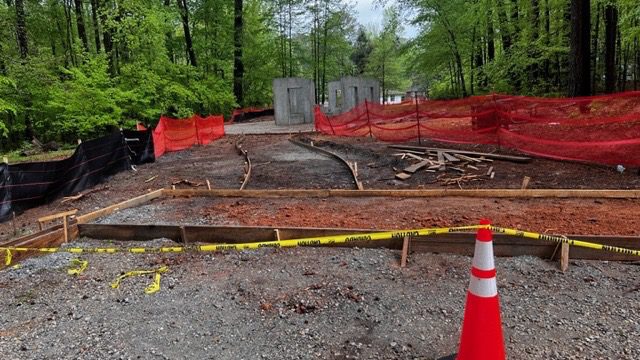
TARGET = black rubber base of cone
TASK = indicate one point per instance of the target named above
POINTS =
(450, 357)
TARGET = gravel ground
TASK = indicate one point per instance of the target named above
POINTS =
(325, 303)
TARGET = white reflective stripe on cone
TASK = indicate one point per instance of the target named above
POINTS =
(483, 255)
(483, 287)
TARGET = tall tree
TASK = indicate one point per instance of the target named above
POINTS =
(21, 30)
(580, 50)
(82, 34)
(611, 31)
(238, 67)
(361, 52)
(96, 24)
(184, 14)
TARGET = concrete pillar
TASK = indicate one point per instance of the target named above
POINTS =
(293, 101)
(354, 91)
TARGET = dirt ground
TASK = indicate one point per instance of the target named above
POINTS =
(324, 303)
(279, 164)
(309, 303)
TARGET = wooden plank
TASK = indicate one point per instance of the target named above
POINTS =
(415, 167)
(326, 193)
(448, 157)
(415, 156)
(456, 243)
(136, 201)
(57, 216)
(441, 161)
(467, 158)
(464, 152)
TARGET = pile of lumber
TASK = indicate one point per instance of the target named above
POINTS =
(467, 166)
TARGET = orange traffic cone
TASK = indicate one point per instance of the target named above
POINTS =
(481, 337)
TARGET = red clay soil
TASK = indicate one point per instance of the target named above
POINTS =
(559, 216)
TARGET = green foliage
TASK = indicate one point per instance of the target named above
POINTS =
(85, 104)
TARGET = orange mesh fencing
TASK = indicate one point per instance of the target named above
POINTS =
(179, 134)
(596, 129)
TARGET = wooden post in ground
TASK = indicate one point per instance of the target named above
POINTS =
(564, 257)
(277, 233)
(405, 251)
(525, 182)
(65, 227)
(183, 235)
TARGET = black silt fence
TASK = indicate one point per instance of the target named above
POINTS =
(27, 185)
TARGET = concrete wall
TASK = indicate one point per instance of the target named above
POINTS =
(293, 101)
(353, 91)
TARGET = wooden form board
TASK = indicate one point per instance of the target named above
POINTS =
(474, 193)
(453, 243)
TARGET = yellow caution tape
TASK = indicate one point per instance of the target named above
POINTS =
(563, 239)
(155, 285)
(332, 240)
(80, 266)
(7, 257)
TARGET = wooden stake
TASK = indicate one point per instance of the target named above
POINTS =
(405, 251)
(525, 182)
(183, 235)
(564, 257)
(277, 232)
(13, 221)
(65, 227)
(208, 184)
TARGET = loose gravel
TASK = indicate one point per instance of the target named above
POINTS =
(308, 303)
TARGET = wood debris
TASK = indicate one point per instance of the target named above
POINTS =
(82, 195)
(457, 166)
(187, 182)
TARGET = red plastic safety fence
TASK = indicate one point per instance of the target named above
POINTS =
(597, 129)
(179, 134)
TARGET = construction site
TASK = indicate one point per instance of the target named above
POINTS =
(344, 235)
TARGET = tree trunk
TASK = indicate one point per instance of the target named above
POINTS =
(535, 19)
(547, 41)
(96, 24)
(324, 56)
(594, 51)
(108, 41)
(82, 34)
(23, 47)
(625, 64)
(611, 28)
(579, 52)
(238, 66)
(491, 47)
(21, 30)
(515, 20)
(505, 33)
(184, 14)
(636, 73)
(290, 41)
